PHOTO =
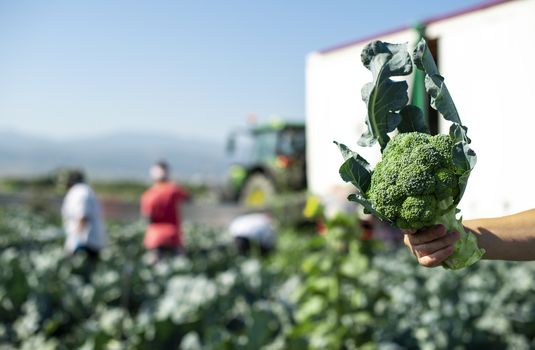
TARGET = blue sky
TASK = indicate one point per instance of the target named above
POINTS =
(197, 68)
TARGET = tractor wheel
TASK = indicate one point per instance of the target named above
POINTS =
(257, 191)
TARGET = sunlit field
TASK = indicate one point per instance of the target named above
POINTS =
(329, 291)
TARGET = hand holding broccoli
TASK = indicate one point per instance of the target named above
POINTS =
(431, 246)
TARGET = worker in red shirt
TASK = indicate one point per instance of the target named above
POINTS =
(160, 205)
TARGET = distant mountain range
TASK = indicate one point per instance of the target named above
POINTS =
(121, 155)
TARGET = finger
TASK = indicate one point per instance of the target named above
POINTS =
(427, 235)
(408, 244)
(406, 241)
(435, 259)
(438, 244)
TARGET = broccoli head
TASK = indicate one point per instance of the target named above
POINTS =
(416, 181)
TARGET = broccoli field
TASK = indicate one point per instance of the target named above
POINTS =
(315, 292)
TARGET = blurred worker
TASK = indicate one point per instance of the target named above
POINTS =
(253, 230)
(160, 205)
(82, 217)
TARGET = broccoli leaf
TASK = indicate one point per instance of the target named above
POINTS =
(434, 83)
(355, 169)
(463, 156)
(366, 139)
(383, 96)
(459, 133)
(465, 159)
(368, 207)
(412, 119)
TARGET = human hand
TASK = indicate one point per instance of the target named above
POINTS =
(431, 245)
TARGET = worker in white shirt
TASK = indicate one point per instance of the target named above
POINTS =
(82, 217)
(253, 229)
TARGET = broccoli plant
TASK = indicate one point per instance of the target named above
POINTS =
(421, 178)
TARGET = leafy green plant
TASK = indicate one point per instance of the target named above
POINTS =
(315, 291)
(420, 178)
(333, 311)
(211, 297)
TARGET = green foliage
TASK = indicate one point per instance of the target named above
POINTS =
(210, 297)
(125, 189)
(434, 83)
(49, 185)
(474, 308)
(412, 119)
(333, 310)
(329, 291)
(384, 97)
(355, 168)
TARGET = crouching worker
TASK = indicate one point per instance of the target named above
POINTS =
(82, 217)
(252, 231)
(160, 206)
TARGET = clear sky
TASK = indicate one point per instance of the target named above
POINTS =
(196, 68)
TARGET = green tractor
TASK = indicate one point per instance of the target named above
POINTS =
(264, 160)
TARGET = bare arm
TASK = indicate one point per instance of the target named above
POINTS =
(509, 237)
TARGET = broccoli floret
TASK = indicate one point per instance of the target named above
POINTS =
(446, 183)
(444, 144)
(417, 211)
(415, 174)
(427, 156)
(416, 180)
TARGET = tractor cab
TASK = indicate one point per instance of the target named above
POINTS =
(266, 159)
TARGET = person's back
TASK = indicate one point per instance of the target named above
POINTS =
(253, 229)
(82, 219)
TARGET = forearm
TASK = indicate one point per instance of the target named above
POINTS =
(82, 225)
(509, 237)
